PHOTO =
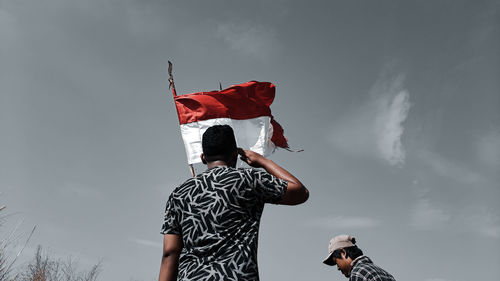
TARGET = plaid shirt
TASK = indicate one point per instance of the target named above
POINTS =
(363, 269)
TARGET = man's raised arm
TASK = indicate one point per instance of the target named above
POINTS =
(296, 192)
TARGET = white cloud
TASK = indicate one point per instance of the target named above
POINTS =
(426, 216)
(446, 168)
(341, 222)
(483, 222)
(250, 39)
(436, 279)
(389, 128)
(144, 242)
(488, 149)
(354, 133)
(419, 189)
(7, 30)
(490, 231)
(376, 128)
(80, 190)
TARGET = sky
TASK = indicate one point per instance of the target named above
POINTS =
(395, 103)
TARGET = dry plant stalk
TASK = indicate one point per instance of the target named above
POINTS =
(45, 268)
(42, 268)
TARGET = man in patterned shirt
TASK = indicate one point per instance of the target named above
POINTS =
(349, 259)
(212, 220)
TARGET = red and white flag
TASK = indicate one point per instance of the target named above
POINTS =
(245, 107)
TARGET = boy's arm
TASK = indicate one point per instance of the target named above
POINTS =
(172, 247)
(296, 192)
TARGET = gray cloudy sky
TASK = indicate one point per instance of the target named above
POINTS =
(396, 104)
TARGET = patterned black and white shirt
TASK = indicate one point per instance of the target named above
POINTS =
(217, 214)
(363, 269)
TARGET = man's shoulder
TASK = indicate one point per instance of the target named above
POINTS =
(225, 171)
(210, 174)
(365, 268)
(184, 186)
(217, 173)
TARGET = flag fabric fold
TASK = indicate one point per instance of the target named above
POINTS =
(245, 107)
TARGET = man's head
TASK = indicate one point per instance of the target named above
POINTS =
(219, 143)
(341, 252)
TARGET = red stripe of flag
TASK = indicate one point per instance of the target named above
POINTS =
(240, 102)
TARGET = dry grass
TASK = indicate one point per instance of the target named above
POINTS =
(42, 267)
(5, 271)
(45, 268)
(6, 262)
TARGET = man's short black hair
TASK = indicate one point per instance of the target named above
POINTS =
(352, 252)
(218, 142)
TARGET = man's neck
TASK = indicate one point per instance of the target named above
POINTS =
(356, 260)
(217, 163)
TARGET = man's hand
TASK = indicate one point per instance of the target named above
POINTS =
(296, 193)
(253, 159)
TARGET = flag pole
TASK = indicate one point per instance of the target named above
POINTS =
(171, 86)
(191, 168)
(171, 79)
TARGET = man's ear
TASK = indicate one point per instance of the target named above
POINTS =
(343, 254)
(203, 160)
(232, 159)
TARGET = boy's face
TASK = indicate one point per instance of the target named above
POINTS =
(343, 264)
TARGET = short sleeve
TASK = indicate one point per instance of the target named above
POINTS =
(170, 222)
(269, 188)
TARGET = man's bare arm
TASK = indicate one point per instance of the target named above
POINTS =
(296, 192)
(172, 247)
